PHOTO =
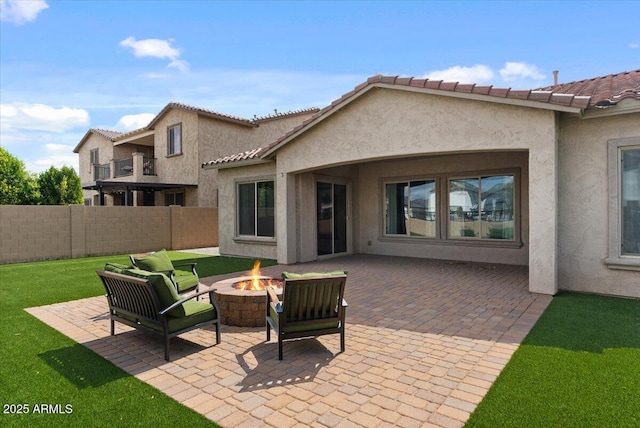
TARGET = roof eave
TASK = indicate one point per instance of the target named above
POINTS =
(236, 164)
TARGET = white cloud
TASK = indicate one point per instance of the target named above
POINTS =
(474, 74)
(40, 165)
(58, 147)
(635, 45)
(131, 122)
(515, 71)
(41, 117)
(21, 11)
(156, 48)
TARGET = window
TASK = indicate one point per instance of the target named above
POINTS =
(410, 208)
(624, 204)
(482, 207)
(256, 209)
(175, 198)
(630, 198)
(174, 139)
(93, 157)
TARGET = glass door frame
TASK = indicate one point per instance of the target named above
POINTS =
(349, 238)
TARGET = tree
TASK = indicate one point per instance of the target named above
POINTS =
(17, 186)
(60, 186)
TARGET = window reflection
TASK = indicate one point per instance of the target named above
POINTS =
(482, 207)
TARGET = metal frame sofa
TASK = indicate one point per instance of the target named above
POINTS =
(148, 301)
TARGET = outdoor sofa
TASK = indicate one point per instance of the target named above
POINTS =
(148, 301)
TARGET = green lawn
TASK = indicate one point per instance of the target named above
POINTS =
(578, 367)
(40, 366)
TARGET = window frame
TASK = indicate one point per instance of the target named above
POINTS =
(94, 156)
(174, 194)
(479, 177)
(616, 259)
(254, 237)
(171, 146)
(442, 209)
(408, 182)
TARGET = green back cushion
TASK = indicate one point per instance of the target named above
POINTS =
(309, 275)
(116, 267)
(163, 287)
(156, 262)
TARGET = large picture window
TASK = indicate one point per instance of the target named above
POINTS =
(411, 208)
(256, 209)
(174, 139)
(482, 207)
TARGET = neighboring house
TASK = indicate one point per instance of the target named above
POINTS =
(546, 178)
(160, 163)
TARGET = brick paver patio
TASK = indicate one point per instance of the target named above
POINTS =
(425, 341)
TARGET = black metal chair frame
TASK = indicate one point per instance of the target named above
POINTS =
(134, 300)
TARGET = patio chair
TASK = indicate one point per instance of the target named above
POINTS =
(312, 305)
(184, 280)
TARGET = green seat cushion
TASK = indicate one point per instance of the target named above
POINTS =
(155, 262)
(116, 267)
(293, 328)
(185, 280)
(310, 275)
(198, 312)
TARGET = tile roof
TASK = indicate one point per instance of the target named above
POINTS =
(250, 154)
(598, 92)
(106, 133)
(203, 111)
(605, 91)
(277, 115)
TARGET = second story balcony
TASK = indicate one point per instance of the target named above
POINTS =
(136, 167)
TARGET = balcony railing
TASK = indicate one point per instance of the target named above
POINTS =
(102, 172)
(149, 166)
(123, 167)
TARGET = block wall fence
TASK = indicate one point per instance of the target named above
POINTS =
(29, 233)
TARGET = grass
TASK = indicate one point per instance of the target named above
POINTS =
(579, 366)
(39, 365)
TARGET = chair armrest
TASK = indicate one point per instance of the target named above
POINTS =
(191, 265)
(272, 296)
(181, 301)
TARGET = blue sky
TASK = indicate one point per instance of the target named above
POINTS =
(67, 66)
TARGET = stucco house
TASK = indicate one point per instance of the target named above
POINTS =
(547, 178)
(160, 163)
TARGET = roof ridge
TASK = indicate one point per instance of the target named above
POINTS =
(278, 114)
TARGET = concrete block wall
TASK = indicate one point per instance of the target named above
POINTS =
(29, 233)
(34, 233)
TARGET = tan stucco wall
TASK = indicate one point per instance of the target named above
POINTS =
(229, 243)
(387, 124)
(583, 207)
(182, 168)
(218, 138)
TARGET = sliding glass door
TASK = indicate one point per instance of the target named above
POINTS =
(331, 218)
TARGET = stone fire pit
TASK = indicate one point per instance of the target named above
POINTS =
(242, 308)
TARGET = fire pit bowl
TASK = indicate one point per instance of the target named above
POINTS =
(243, 308)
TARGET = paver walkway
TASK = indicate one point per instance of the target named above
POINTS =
(425, 341)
